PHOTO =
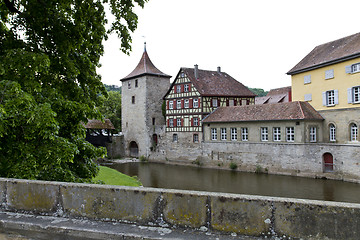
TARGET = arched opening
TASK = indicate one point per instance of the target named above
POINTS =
(328, 162)
(134, 149)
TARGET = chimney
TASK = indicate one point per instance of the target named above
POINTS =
(219, 69)
(196, 71)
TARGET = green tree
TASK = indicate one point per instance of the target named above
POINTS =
(111, 108)
(259, 92)
(49, 51)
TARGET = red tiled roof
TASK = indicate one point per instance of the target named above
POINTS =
(329, 53)
(98, 124)
(267, 112)
(145, 67)
(279, 91)
(213, 83)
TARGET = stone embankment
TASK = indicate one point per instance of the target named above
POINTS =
(188, 210)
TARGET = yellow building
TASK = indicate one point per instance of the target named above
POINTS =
(329, 79)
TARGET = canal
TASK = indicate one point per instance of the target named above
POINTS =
(160, 175)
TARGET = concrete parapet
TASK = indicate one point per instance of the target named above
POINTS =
(242, 214)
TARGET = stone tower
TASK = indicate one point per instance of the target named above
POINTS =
(142, 98)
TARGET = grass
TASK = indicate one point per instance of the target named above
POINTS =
(112, 177)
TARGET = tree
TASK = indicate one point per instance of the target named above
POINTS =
(259, 92)
(111, 108)
(49, 51)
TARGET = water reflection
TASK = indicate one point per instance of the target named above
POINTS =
(193, 178)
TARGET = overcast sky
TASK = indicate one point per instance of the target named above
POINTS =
(256, 42)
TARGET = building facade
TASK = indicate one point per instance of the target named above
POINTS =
(329, 79)
(193, 95)
(142, 119)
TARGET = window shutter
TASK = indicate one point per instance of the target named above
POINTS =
(211, 102)
(182, 88)
(174, 104)
(308, 97)
(182, 122)
(307, 79)
(324, 99)
(168, 122)
(190, 103)
(235, 102)
(167, 105)
(182, 103)
(336, 96)
(189, 87)
(192, 122)
(329, 74)
(350, 95)
(199, 103)
(348, 69)
(227, 102)
(174, 88)
(175, 122)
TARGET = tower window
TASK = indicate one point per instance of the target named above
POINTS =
(136, 83)
(153, 121)
(133, 99)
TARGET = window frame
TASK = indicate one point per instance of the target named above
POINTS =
(354, 132)
(133, 100)
(330, 98)
(312, 134)
(233, 133)
(171, 122)
(171, 104)
(178, 104)
(196, 121)
(178, 122)
(186, 88)
(175, 137)
(276, 134)
(264, 134)
(355, 95)
(332, 133)
(196, 138)
(178, 88)
(195, 103)
(244, 134)
(214, 134)
(215, 102)
(223, 134)
(355, 68)
(290, 135)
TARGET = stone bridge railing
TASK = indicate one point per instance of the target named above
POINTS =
(242, 214)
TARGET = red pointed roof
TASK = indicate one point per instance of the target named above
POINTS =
(145, 67)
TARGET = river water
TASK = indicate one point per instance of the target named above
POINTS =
(160, 175)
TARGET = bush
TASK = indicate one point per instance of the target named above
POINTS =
(258, 169)
(233, 166)
(143, 158)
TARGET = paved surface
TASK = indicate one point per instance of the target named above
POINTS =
(15, 226)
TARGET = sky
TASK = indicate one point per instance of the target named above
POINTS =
(256, 42)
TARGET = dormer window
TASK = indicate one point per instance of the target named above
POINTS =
(182, 74)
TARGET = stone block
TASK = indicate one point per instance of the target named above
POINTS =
(185, 209)
(109, 202)
(317, 219)
(241, 214)
(2, 192)
(34, 196)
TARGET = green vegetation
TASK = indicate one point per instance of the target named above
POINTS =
(259, 169)
(143, 158)
(111, 109)
(112, 177)
(259, 91)
(48, 84)
(112, 88)
(233, 166)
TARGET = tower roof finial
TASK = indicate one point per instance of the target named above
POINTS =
(144, 46)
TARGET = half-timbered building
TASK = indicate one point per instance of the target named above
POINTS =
(194, 94)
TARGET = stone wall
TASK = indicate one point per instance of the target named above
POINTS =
(116, 149)
(243, 214)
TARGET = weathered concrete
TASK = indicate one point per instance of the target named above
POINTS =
(116, 149)
(228, 213)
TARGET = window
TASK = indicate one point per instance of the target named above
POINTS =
(195, 103)
(264, 134)
(312, 134)
(233, 134)
(332, 131)
(196, 138)
(196, 121)
(171, 105)
(178, 89)
(133, 99)
(244, 134)
(329, 74)
(175, 137)
(231, 103)
(214, 134)
(129, 85)
(223, 134)
(290, 134)
(354, 95)
(171, 122)
(178, 122)
(214, 102)
(353, 133)
(307, 79)
(276, 134)
(178, 104)
(308, 97)
(186, 88)
(330, 98)
(355, 68)
(182, 74)
(153, 121)
(186, 103)
(136, 83)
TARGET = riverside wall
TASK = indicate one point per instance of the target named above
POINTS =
(296, 159)
(233, 213)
